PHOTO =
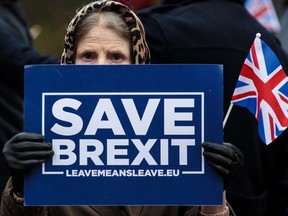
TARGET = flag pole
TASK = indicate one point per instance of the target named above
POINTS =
(227, 115)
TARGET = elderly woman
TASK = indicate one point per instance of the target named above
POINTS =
(103, 32)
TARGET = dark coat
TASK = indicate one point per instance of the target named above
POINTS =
(283, 34)
(222, 32)
(16, 51)
(9, 208)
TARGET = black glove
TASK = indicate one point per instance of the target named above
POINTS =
(227, 159)
(22, 153)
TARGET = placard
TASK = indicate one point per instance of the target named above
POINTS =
(124, 134)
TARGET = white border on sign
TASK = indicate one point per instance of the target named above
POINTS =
(44, 94)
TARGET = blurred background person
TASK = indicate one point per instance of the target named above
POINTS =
(139, 4)
(222, 32)
(283, 34)
(16, 51)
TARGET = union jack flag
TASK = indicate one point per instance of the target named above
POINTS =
(262, 88)
(264, 11)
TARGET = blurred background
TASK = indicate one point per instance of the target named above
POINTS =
(48, 19)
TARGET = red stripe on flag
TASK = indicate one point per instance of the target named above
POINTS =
(261, 12)
(271, 123)
(246, 94)
(254, 56)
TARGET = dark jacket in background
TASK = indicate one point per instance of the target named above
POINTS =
(222, 32)
(15, 52)
(283, 34)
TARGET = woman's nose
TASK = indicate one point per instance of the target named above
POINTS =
(102, 60)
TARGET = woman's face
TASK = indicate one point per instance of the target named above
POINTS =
(102, 46)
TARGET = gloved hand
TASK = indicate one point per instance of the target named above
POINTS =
(22, 153)
(227, 159)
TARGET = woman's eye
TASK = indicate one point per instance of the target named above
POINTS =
(88, 56)
(117, 57)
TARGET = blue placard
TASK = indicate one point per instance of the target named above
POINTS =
(125, 134)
